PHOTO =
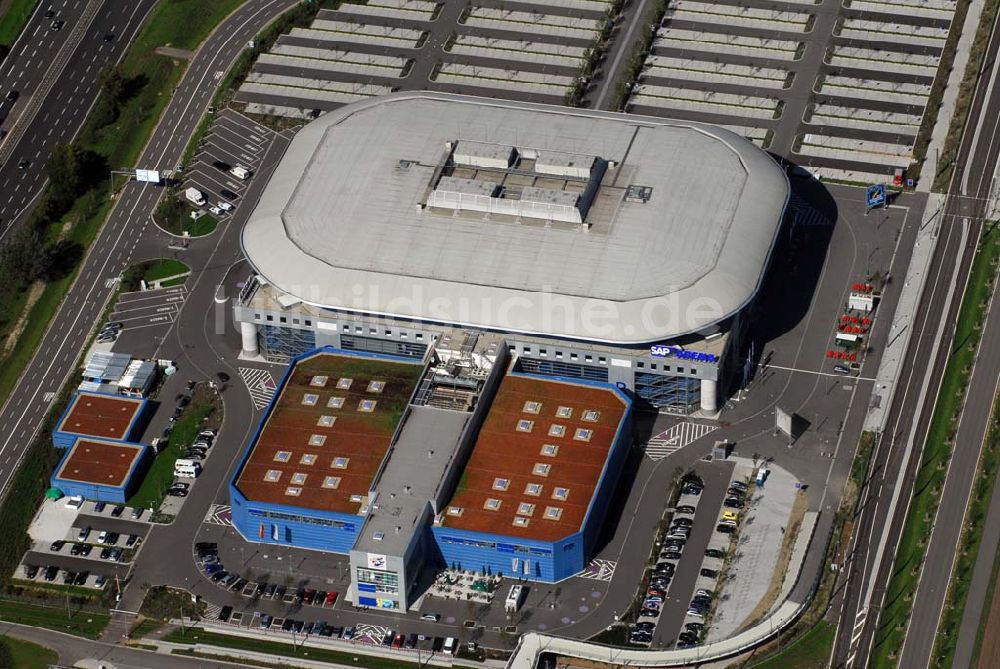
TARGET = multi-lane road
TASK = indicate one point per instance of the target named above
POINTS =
(113, 249)
(53, 75)
(898, 456)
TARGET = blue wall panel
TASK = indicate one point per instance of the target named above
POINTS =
(264, 523)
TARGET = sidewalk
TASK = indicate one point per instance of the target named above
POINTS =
(899, 331)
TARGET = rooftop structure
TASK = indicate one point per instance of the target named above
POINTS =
(100, 463)
(327, 432)
(98, 415)
(518, 217)
(537, 461)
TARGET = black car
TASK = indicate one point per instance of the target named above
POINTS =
(85, 551)
(308, 628)
(269, 592)
(76, 549)
(225, 612)
(51, 572)
(132, 538)
(287, 625)
(692, 490)
(69, 577)
(57, 545)
(57, 24)
(683, 522)
(709, 573)
(108, 37)
(81, 578)
(690, 637)
(117, 511)
(670, 555)
(297, 626)
(221, 165)
(649, 613)
(99, 507)
(183, 401)
(177, 492)
(30, 571)
(437, 644)
(112, 538)
(725, 529)
(13, 95)
(229, 195)
(694, 627)
(640, 637)
(685, 508)
(116, 554)
(714, 553)
(219, 575)
(23, 164)
(319, 627)
(49, 13)
(336, 630)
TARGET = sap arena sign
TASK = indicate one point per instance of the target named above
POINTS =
(662, 351)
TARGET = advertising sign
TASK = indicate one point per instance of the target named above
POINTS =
(376, 561)
(663, 351)
(875, 196)
(147, 176)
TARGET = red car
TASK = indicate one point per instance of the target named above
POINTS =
(331, 597)
(397, 641)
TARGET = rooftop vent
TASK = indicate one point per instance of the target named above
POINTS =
(640, 194)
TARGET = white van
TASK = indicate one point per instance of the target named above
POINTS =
(240, 172)
(194, 195)
(187, 469)
(450, 645)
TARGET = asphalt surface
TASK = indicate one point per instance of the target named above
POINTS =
(864, 594)
(42, 62)
(113, 249)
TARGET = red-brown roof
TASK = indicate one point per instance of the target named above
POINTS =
(98, 415)
(504, 452)
(283, 448)
(99, 462)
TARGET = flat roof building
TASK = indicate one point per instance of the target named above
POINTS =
(101, 470)
(600, 244)
(108, 417)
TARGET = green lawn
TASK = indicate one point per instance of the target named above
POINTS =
(161, 473)
(161, 269)
(25, 655)
(87, 624)
(195, 635)
(812, 650)
(183, 23)
(937, 452)
(14, 19)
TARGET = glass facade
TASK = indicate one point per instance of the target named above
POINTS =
(386, 582)
(676, 392)
(567, 369)
(375, 345)
(281, 344)
(294, 518)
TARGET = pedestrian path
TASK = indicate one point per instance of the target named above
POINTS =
(371, 635)
(676, 437)
(261, 385)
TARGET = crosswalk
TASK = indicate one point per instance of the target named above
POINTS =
(803, 213)
(219, 514)
(211, 611)
(599, 570)
(261, 385)
(676, 437)
(112, 282)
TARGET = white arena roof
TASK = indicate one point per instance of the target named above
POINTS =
(519, 217)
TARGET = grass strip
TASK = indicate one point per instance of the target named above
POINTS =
(161, 472)
(810, 651)
(25, 655)
(936, 455)
(966, 90)
(78, 622)
(197, 635)
(13, 21)
(161, 269)
(968, 545)
(984, 615)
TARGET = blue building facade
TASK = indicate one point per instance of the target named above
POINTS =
(102, 492)
(547, 561)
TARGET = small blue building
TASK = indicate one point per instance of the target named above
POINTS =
(102, 416)
(101, 470)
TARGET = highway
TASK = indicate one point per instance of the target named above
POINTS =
(868, 569)
(55, 74)
(113, 249)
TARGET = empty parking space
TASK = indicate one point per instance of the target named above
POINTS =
(869, 98)
(725, 63)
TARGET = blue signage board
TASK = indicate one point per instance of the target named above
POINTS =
(663, 351)
(875, 196)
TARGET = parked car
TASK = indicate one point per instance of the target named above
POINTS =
(117, 511)
(113, 538)
(695, 627)
(51, 572)
(331, 598)
(670, 555)
(83, 534)
(725, 529)
(228, 194)
(69, 577)
(709, 573)
(703, 592)
(266, 620)
(100, 580)
(57, 545)
(225, 206)
(219, 575)
(714, 553)
(176, 492)
(685, 508)
(683, 522)
(116, 554)
(99, 507)
(77, 549)
(349, 633)
(102, 538)
(30, 571)
(269, 592)
(137, 513)
(286, 626)
(649, 613)
(733, 503)
(81, 578)
(131, 541)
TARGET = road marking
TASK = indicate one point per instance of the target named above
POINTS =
(675, 438)
(599, 570)
(261, 385)
(846, 377)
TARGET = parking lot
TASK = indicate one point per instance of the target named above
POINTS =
(864, 70)
(232, 141)
(533, 53)
(145, 317)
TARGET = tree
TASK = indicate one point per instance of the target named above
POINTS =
(113, 92)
